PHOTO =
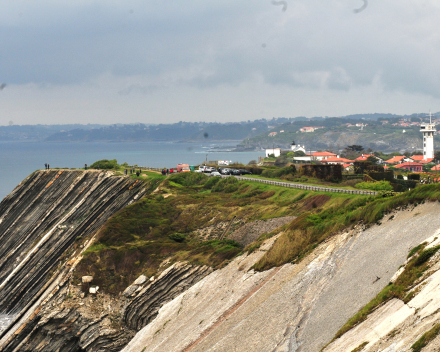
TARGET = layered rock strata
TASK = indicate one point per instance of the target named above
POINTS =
(172, 282)
(292, 308)
(44, 216)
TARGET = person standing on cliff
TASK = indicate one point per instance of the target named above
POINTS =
(45, 166)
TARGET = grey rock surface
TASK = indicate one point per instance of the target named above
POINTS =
(250, 232)
(292, 308)
(171, 283)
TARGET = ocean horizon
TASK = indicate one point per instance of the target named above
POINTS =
(20, 158)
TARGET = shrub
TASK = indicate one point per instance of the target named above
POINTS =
(375, 186)
(414, 177)
(279, 172)
(189, 178)
(105, 164)
(400, 177)
(425, 255)
(332, 173)
(178, 237)
(226, 185)
(426, 338)
(212, 181)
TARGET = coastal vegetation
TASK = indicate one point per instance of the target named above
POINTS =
(163, 226)
(312, 228)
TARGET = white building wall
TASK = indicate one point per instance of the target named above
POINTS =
(276, 152)
(428, 140)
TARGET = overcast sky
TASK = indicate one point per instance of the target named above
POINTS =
(88, 61)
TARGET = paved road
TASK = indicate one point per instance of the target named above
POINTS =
(302, 186)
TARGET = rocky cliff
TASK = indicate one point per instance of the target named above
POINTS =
(290, 308)
(191, 306)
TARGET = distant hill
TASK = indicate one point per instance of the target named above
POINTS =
(335, 134)
(387, 134)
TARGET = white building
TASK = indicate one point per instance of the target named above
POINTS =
(428, 130)
(297, 148)
(275, 152)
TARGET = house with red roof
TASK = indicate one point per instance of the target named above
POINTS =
(364, 157)
(322, 155)
(396, 159)
(436, 168)
(336, 160)
(307, 129)
(419, 158)
(414, 167)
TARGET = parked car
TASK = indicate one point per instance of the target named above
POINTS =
(205, 168)
(235, 172)
(215, 173)
(245, 172)
(225, 171)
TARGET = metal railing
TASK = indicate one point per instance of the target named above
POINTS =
(302, 186)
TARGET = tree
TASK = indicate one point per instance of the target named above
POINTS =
(299, 153)
(354, 148)
(437, 156)
(373, 160)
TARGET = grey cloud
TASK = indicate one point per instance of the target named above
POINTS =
(204, 45)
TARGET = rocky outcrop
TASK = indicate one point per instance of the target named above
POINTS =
(43, 217)
(171, 283)
(396, 325)
(292, 308)
(250, 232)
(67, 322)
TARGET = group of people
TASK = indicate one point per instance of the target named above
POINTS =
(166, 171)
(46, 166)
(132, 171)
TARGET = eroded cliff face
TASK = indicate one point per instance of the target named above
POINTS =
(195, 308)
(396, 325)
(294, 307)
(42, 221)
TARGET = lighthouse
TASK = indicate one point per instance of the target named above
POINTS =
(428, 130)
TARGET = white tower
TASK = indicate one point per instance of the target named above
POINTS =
(428, 130)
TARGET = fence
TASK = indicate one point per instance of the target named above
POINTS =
(305, 187)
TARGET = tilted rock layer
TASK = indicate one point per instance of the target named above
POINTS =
(43, 217)
(292, 308)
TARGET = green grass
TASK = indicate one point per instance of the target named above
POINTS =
(360, 347)
(137, 239)
(426, 338)
(305, 180)
(375, 186)
(312, 228)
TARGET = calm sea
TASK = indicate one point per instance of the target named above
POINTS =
(19, 159)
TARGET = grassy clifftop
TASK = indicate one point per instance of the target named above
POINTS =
(161, 225)
(311, 228)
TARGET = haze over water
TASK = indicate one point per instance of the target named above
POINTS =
(19, 159)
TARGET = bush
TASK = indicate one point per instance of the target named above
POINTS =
(279, 172)
(178, 237)
(227, 185)
(105, 164)
(212, 181)
(415, 177)
(375, 186)
(425, 255)
(400, 177)
(406, 184)
(189, 178)
(332, 173)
